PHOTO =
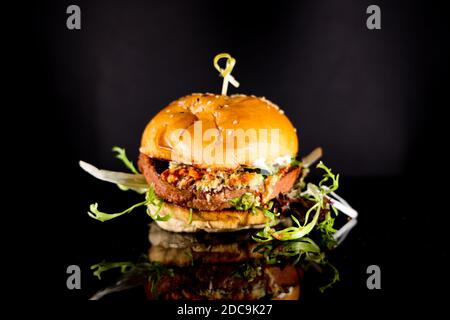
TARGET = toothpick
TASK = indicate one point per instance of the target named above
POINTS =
(226, 73)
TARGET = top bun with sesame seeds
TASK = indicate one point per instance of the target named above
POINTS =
(218, 131)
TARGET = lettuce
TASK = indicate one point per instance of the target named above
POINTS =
(121, 155)
(245, 202)
(150, 199)
(135, 182)
(315, 193)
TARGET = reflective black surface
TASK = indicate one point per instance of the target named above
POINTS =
(220, 266)
(391, 233)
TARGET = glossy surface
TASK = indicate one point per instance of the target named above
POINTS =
(382, 237)
(219, 266)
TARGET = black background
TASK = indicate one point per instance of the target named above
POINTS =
(371, 99)
(356, 92)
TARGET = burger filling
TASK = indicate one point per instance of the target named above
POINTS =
(215, 189)
(207, 180)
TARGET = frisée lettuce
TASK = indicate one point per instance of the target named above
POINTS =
(126, 181)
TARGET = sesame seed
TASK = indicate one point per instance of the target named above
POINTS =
(281, 111)
(171, 116)
(295, 129)
(235, 121)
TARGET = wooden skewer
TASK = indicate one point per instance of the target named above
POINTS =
(226, 73)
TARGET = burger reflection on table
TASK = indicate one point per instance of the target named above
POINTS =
(209, 266)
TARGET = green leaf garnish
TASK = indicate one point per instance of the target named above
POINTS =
(336, 277)
(190, 216)
(295, 162)
(158, 270)
(265, 235)
(250, 202)
(154, 271)
(327, 176)
(105, 266)
(157, 202)
(245, 202)
(327, 230)
(303, 248)
(102, 216)
(313, 193)
(150, 199)
(121, 155)
(269, 214)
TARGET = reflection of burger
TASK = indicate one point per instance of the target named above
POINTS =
(205, 266)
(217, 161)
(215, 267)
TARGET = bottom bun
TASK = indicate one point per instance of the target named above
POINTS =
(209, 221)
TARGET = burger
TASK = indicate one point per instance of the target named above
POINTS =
(219, 163)
(223, 180)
